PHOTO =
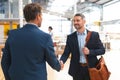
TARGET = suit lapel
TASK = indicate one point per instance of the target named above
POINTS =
(76, 44)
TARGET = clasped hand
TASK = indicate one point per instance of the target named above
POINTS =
(85, 50)
(61, 64)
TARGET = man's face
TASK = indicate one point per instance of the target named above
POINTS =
(49, 29)
(78, 22)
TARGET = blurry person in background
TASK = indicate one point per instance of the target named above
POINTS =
(28, 48)
(75, 45)
(50, 31)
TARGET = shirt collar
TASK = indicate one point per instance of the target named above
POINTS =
(84, 33)
(33, 24)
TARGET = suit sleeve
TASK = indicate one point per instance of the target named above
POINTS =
(6, 60)
(66, 53)
(50, 55)
(98, 46)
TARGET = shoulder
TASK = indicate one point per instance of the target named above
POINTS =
(12, 34)
(95, 34)
(45, 35)
(72, 34)
(13, 31)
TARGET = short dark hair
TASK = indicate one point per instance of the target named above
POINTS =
(31, 10)
(81, 15)
(50, 27)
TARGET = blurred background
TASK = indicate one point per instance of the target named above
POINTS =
(101, 16)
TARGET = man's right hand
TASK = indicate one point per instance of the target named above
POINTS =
(62, 64)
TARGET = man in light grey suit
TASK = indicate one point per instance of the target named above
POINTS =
(27, 49)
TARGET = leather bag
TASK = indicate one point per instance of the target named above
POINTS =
(100, 72)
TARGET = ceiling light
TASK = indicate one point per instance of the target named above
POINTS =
(82, 0)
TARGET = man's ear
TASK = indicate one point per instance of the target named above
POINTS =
(37, 17)
(84, 21)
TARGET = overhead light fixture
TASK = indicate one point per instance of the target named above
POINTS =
(82, 0)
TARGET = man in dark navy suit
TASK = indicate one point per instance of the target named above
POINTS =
(28, 48)
(75, 45)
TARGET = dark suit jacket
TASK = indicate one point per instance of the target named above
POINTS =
(95, 46)
(25, 54)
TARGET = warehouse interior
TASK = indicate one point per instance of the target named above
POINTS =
(101, 16)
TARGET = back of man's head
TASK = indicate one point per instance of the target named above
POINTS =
(31, 10)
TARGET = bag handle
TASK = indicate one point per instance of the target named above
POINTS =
(87, 39)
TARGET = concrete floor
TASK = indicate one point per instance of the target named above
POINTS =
(112, 61)
(112, 58)
(1, 74)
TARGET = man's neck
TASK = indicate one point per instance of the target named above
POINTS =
(32, 22)
(81, 30)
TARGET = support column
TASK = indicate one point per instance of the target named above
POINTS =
(10, 23)
(75, 6)
(21, 12)
(101, 18)
(9, 9)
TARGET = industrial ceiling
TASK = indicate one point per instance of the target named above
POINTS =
(66, 8)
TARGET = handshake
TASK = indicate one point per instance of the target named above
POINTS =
(61, 64)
